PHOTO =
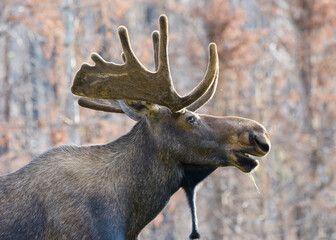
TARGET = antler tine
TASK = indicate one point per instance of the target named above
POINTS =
(208, 79)
(127, 49)
(163, 46)
(206, 97)
(156, 42)
(98, 60)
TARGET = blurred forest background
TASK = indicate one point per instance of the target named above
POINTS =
(277, 66)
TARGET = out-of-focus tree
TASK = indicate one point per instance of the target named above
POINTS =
(304, 39)
(27, 45)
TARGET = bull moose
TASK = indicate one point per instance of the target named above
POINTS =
(113, 191)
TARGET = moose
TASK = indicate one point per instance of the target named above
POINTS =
(113, 191)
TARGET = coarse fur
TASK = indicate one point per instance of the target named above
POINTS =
(92, 192)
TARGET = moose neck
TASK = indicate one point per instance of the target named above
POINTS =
(137, 141)
(152, 177)
(142, 146)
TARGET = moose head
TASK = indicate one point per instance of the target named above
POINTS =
(188, 137)
(198, 142)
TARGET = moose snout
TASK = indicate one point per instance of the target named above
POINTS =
(261, 142)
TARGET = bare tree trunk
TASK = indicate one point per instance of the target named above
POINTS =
(69, 104)
(6, 89)
(305, 73)
(304, 52)
(6, 83)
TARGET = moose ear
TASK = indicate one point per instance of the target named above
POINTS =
(142, 107)
(133, 109)
(114, 106)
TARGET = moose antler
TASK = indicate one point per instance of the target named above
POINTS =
(206, 96)
(132, 81)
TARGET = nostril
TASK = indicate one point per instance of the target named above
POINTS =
(262, 143)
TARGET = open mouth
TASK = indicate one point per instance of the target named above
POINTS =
(244, 162)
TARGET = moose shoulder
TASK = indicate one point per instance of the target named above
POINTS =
(113, 191)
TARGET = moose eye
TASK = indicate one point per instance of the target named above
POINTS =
(191, 120)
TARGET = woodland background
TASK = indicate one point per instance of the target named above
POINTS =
(277, 66)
